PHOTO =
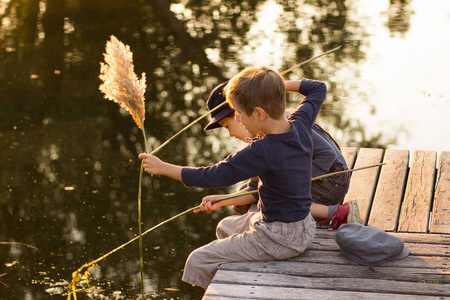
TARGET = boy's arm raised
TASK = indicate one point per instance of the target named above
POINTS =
(315, 93)
(292, 85)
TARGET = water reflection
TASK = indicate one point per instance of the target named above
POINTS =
(399, 14)
(69, 167)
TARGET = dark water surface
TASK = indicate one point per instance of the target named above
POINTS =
(68, 158)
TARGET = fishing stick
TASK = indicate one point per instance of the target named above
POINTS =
(76, 276)
(223, 103)
(16, 243)
(313, 179)
(308, 60)
(346, 171)
(92, 263)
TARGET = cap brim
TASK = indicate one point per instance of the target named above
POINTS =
(214, 123)
(404, 253)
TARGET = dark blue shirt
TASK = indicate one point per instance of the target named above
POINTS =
(281, 161)
(325, 153)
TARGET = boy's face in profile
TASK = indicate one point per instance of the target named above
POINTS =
(235, 129)
(248, 122)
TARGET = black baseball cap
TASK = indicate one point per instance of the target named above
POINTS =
(216, 98)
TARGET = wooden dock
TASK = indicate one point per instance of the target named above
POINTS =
(408, 197)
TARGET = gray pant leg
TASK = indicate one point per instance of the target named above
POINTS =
(262, 242)
(233, 224)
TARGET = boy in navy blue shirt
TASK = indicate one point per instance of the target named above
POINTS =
(326, 158)
(283, 227)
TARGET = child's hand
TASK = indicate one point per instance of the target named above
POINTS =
(207, 203)
(152, 164)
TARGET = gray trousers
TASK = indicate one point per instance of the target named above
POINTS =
(331, 190)
(246, 238)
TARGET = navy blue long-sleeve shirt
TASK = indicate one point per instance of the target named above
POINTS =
(322, 163)
(323, 154)
(281, 161)
(326, 155)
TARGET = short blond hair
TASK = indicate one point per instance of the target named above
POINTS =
(257, 87)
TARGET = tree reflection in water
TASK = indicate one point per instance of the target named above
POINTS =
(68, 159)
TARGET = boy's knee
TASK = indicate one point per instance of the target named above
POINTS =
(200, 256)
(193, 258)
(220, 232)
(227, 227)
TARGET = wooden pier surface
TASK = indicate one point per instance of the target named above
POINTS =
(408, 197)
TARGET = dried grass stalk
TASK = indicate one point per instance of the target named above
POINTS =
(120, 83)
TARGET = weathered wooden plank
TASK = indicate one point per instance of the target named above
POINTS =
(428, 249)
(389, 191)
(440, 218)
(349, 154)
(218, 291)
(335, 258)
(342, 271)
(406, 236)
(414, 248)
(363, 183)
(331, 283)
(423, 237)
(323, 272)
(418, 194)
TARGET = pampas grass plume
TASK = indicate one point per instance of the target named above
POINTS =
(120, 83)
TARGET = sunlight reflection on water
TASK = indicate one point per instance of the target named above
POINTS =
(403, 79)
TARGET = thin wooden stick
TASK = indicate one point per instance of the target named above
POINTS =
(16, 243)
(313, 179)
(187, 127)
(87, 266)
(94, 262)
(198, 206)
(223, 103)
(308, 60)
(346, 171)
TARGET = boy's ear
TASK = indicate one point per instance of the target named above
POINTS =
(260, 113)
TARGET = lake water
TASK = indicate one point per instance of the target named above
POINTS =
(405, 74)
(68, 158)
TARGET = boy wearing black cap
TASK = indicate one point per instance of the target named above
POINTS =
(326, 158)
(283, 227)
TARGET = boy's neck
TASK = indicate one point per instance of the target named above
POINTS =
(280, 126)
